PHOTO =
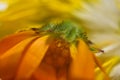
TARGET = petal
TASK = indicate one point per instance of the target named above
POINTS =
(45, 72)
(9, 41)
(105, 68)
(82, 66)
(33, 58)
(10, 59)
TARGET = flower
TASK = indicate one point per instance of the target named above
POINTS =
(102, 22)
(52, 52)
(30, 13)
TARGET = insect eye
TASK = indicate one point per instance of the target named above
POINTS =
(34, 29)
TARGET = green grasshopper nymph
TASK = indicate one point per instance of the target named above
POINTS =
(68, 31)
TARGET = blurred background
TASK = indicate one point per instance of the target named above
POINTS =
(99, 18)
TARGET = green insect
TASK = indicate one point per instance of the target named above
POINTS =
(68, 31)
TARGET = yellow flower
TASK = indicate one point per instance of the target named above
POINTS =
(47, 53)
(28, 13)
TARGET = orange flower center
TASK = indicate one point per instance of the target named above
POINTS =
(58, 54)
